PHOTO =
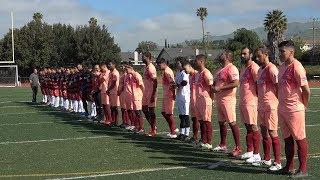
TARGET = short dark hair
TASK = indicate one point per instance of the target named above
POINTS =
(264, 49)
(147, 54)
(103, 64)
(112, 61)
(162, 60)
(246, 47)
(288, 43)
(186, 62)
(201, 56)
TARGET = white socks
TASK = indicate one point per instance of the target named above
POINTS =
(75, 106)
(56, 101)
(61, 101)
(93, 110)
(66, 104)
(81, 109)
(187, 131)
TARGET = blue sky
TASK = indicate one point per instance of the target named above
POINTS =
(131, 21)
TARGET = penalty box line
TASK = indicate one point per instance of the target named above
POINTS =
(85, 175)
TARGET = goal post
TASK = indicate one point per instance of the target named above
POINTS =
(12, 43)
(9, 76)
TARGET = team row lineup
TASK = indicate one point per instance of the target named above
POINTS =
(270, 97)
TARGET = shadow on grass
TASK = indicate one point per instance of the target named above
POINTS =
(181, 153)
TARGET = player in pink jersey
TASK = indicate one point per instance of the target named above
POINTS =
(122, 98)
(204, 102)
(168, 96)
(112, 92)
(294, 94)
(104, 79)
(225, 86)
(268, 109)
(192, 80)
(249, 103)
(134, 87)
(149, 95)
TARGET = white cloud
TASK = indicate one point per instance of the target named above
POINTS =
(64, 11)
(178, 24)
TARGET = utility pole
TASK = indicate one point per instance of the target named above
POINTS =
(314, 28)
(207, 42)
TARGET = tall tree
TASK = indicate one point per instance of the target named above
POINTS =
(38, 44)
(202, 13)
(144, 46)
(94, 44)
(275, 24)
(243, 37)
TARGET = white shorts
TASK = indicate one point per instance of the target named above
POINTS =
(183, 107)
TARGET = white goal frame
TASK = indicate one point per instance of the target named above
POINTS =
(12, 44)
(16, 81)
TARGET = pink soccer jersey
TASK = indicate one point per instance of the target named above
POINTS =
(203, 105)
(267, 88)
(291, 78)
(225, 76)
(193, 86)
(149, 74)
(248, 90)
(168, 100)
(114, 98)
(122, 95)
(104, 79)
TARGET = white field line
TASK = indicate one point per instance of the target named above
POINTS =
(208, 165)
(38, 123)
(35, 105)
(3, 102)
(125, 172)
(30, 112)
(92, 137)
(51, 140)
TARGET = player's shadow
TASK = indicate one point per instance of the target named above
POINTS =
(181, 153)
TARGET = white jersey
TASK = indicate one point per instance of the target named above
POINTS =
(183, 92)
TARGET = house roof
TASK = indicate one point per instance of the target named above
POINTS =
(189, 53)
(129, 56)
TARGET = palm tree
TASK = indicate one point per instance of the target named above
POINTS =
(275, 24)
(93, 22)
(202, 13)
(37, 17)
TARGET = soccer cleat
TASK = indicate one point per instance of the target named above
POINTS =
(236, 152)
(247, 155)
(186, 139)
(171, 136)
(180, 137)
(152, 133)
(255, 158)
(220, 149)
(131, 128)
(299, 174)
(141, 131)
(176, 130)
(275, 167)
(263, 163)
(206, 146)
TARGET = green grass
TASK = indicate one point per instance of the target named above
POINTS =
(78, 148)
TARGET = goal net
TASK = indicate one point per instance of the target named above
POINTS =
(9, 76)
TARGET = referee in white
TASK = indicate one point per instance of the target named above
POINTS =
(183, 100)
(34, 83)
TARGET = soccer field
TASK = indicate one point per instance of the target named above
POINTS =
(39, 142)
